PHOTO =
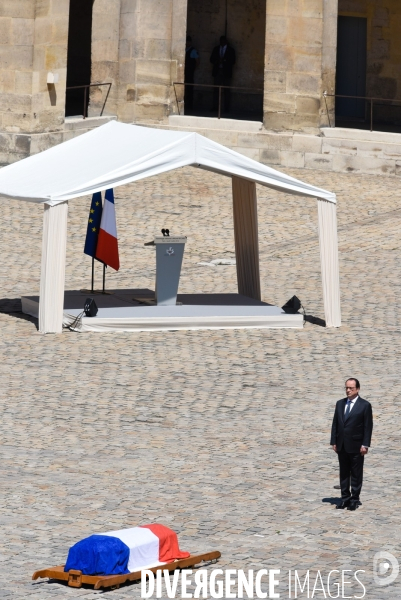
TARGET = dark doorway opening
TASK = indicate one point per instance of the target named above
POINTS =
(79, 60)
(351, 68)
(244, 24)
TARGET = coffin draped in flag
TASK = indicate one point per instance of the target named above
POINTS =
(92, 232)
(125, 551)
(107, 243)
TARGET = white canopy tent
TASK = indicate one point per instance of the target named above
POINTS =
(116, 154)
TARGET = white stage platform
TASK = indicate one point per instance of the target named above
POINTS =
(133, 310)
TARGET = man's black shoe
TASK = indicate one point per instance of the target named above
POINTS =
(354, 505)
(343, 504)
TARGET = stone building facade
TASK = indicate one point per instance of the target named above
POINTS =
(286, 51)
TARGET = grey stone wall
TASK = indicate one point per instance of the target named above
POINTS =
(152, 46)
(49, 55)
(33, 42)
(105, 56)
(16, 73)
(299, 62)
(139, 46)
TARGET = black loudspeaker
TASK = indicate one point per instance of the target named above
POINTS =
(90, 308)
(292, 306)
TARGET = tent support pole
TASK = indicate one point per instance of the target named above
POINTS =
(246, 237)
(328, 242)
(52, 275)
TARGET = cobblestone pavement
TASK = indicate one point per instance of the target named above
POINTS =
(222, 435)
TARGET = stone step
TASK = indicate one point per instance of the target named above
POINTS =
(78, 122)
(346, 133)
(211, 123)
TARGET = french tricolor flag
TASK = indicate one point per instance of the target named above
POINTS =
(107, 242)
(125, 551)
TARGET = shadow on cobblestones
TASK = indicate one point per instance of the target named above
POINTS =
(12, 307)
(315, 320)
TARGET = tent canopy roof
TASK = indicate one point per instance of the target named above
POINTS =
(115, 154)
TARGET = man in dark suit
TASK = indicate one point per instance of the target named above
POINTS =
(351, 435)
(223, 60)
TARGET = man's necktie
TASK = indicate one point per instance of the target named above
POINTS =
(347, 411)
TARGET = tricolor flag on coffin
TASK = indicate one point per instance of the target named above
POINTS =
(125, 551)
(107, 243)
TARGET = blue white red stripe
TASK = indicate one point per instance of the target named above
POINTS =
(107, 243)
(143, 547)
(125, 550)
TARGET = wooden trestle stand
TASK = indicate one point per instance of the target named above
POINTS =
(76, 579)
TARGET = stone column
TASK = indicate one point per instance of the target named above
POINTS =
(50, 55)
(129, 49)
(178, 40)
(329, 56)
(145, 60)
(105, 43)
(16, 55)
(299, 49)
(152, 46)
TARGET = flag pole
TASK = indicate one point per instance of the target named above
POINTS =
(93, 273)
(104, 278)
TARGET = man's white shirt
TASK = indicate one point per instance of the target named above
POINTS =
(351, 403)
